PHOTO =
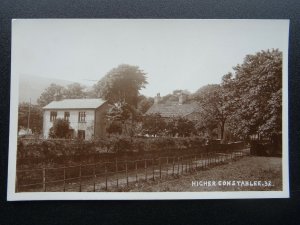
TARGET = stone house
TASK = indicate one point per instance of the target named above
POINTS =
(176, 108)
(86, 117)
(180, 107)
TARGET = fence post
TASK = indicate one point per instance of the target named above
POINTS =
(182, 165)
(136, 175)
(167, 166)
(159, 168)
(145, 169)
(153, 168)
(94, 175)
(44, 179)
(178, 166)
(186, 165)
(117, 175)
(173, 166)
(126, 171)
(80, 178)
(105, 175)
(64, 178)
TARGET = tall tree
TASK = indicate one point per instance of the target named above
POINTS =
(215, 105)
(258, 87)
(122, 85)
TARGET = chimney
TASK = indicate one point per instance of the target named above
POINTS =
(157, 98)
(182, 98)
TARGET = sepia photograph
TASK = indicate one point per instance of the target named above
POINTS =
(148, 109)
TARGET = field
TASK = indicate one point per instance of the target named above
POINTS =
(265, 169)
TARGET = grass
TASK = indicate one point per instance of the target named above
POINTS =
(250, 168)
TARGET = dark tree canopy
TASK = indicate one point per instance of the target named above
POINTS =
(60, 129)
(153, 125)
(122, 84)
(258, 90)
(215, 105)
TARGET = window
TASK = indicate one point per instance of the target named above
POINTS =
(53, 116)
(81, 117)
(67, 116)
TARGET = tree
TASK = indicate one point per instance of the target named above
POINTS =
(215, 105)
(144, 103)
(35, 117)
(182, 127)
(114, 127)
(74, 91)
(60, 129)
(53, 92)
(119, 115)
(258, 90)
(122, 85)
(153, 125)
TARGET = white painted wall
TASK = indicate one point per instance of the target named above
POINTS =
(88, 125)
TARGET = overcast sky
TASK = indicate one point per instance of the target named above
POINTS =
(175, 54)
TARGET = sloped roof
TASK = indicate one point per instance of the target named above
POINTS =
(87, 103)
(173, 110)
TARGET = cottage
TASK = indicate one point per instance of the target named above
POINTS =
(86, 117)
(175, 108)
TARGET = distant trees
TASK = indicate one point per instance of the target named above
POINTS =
(53, 92)
(58, 92)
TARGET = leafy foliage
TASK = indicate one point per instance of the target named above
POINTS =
(153, 125)
(58, 92)
(258, 90)
(216, 107)
(122, 85)
(60, 129)
(144, 103)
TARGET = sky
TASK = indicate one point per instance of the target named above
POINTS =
(174, 54)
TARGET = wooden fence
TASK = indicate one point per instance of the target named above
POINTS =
(116, 174)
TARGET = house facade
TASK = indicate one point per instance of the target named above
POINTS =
(86, 117)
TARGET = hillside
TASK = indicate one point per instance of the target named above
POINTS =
(32, 87)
